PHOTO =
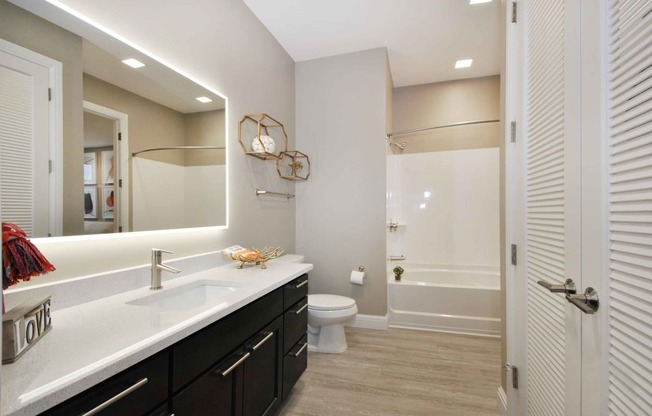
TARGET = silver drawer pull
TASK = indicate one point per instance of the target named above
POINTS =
(301, 309)
(302, 284)
(117, 397)
(264, 340)
(234, 366)
(301, 350)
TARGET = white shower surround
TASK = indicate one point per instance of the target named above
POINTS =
(447, 206)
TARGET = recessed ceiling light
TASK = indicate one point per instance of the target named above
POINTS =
(463, 63)
(203, 99)
(134, 63)
(479, 1)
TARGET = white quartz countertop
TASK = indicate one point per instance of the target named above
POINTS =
(93, 341)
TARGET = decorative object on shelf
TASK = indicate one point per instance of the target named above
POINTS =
(293, 165)
(263, 143)
(23, 326)
(256, 256)
(261, 136)
(21, 260)
(398, 271)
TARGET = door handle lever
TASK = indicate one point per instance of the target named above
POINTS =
(568, 287)
(588, 302)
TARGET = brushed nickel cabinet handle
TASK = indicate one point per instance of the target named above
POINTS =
(115, 398)
(301, 350)
(302, 284)
(235, 365)
(303, 308)
(264, 340)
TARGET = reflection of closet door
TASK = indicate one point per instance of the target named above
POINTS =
(24, 144)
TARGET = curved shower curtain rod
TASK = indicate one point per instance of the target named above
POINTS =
(461, 123)
(178, 148)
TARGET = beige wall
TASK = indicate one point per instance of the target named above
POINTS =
(444, 103)
(31, 32)
(342, 104)
(205, 129)
(222, 44)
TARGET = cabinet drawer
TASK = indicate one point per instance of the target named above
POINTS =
(294, 364)
(217, 392)
(295, 324)
(195, 354)
(134, 392)
(295, 290)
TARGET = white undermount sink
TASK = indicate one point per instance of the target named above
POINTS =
(189, 296)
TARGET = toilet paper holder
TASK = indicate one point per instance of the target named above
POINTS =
(361, 268)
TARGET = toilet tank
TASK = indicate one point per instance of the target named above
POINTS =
(290, 258)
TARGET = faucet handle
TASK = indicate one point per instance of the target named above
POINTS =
(160, 250)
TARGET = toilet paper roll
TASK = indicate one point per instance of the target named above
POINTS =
(357, 278)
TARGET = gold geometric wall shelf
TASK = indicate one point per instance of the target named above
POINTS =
(293, 166)
(262, 136)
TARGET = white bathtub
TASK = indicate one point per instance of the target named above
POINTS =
(465, 301)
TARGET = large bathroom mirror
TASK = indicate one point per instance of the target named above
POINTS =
(97, 137)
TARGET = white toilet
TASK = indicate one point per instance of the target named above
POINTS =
(327, 315)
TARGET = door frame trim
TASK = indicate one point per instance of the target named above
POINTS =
(121, 149)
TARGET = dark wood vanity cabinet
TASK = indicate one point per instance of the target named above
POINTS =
(245, 364)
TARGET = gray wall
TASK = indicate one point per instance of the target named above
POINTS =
(222, 44)
(342, 103)
(444, 103)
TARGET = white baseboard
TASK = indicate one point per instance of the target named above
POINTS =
(502, 402)
(371, 322)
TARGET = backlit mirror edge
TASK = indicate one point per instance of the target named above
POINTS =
(65, 239)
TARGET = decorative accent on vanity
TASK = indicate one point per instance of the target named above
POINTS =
(23, 327)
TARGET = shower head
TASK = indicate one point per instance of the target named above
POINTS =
(401, 146)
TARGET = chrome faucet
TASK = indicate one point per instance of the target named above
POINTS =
(157, 266)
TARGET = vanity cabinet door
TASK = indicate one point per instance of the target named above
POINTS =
(218, 392)
(262, 371)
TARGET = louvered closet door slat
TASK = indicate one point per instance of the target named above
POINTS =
(630, 207)
(544, 183)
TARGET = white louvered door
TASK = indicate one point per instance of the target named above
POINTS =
(630, 207)
(587, 213)
(551, 183)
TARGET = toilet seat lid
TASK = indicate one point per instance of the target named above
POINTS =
(329, 302)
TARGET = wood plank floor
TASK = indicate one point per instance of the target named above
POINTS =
(401, 373)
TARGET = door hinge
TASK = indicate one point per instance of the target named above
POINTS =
(512, 132)
(119, 137)
(50, 166)
(514, 256)
(514, 11)
(49, 94)
(119, 183)
(514, 370)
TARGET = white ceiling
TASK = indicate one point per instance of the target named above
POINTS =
(424, 38)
